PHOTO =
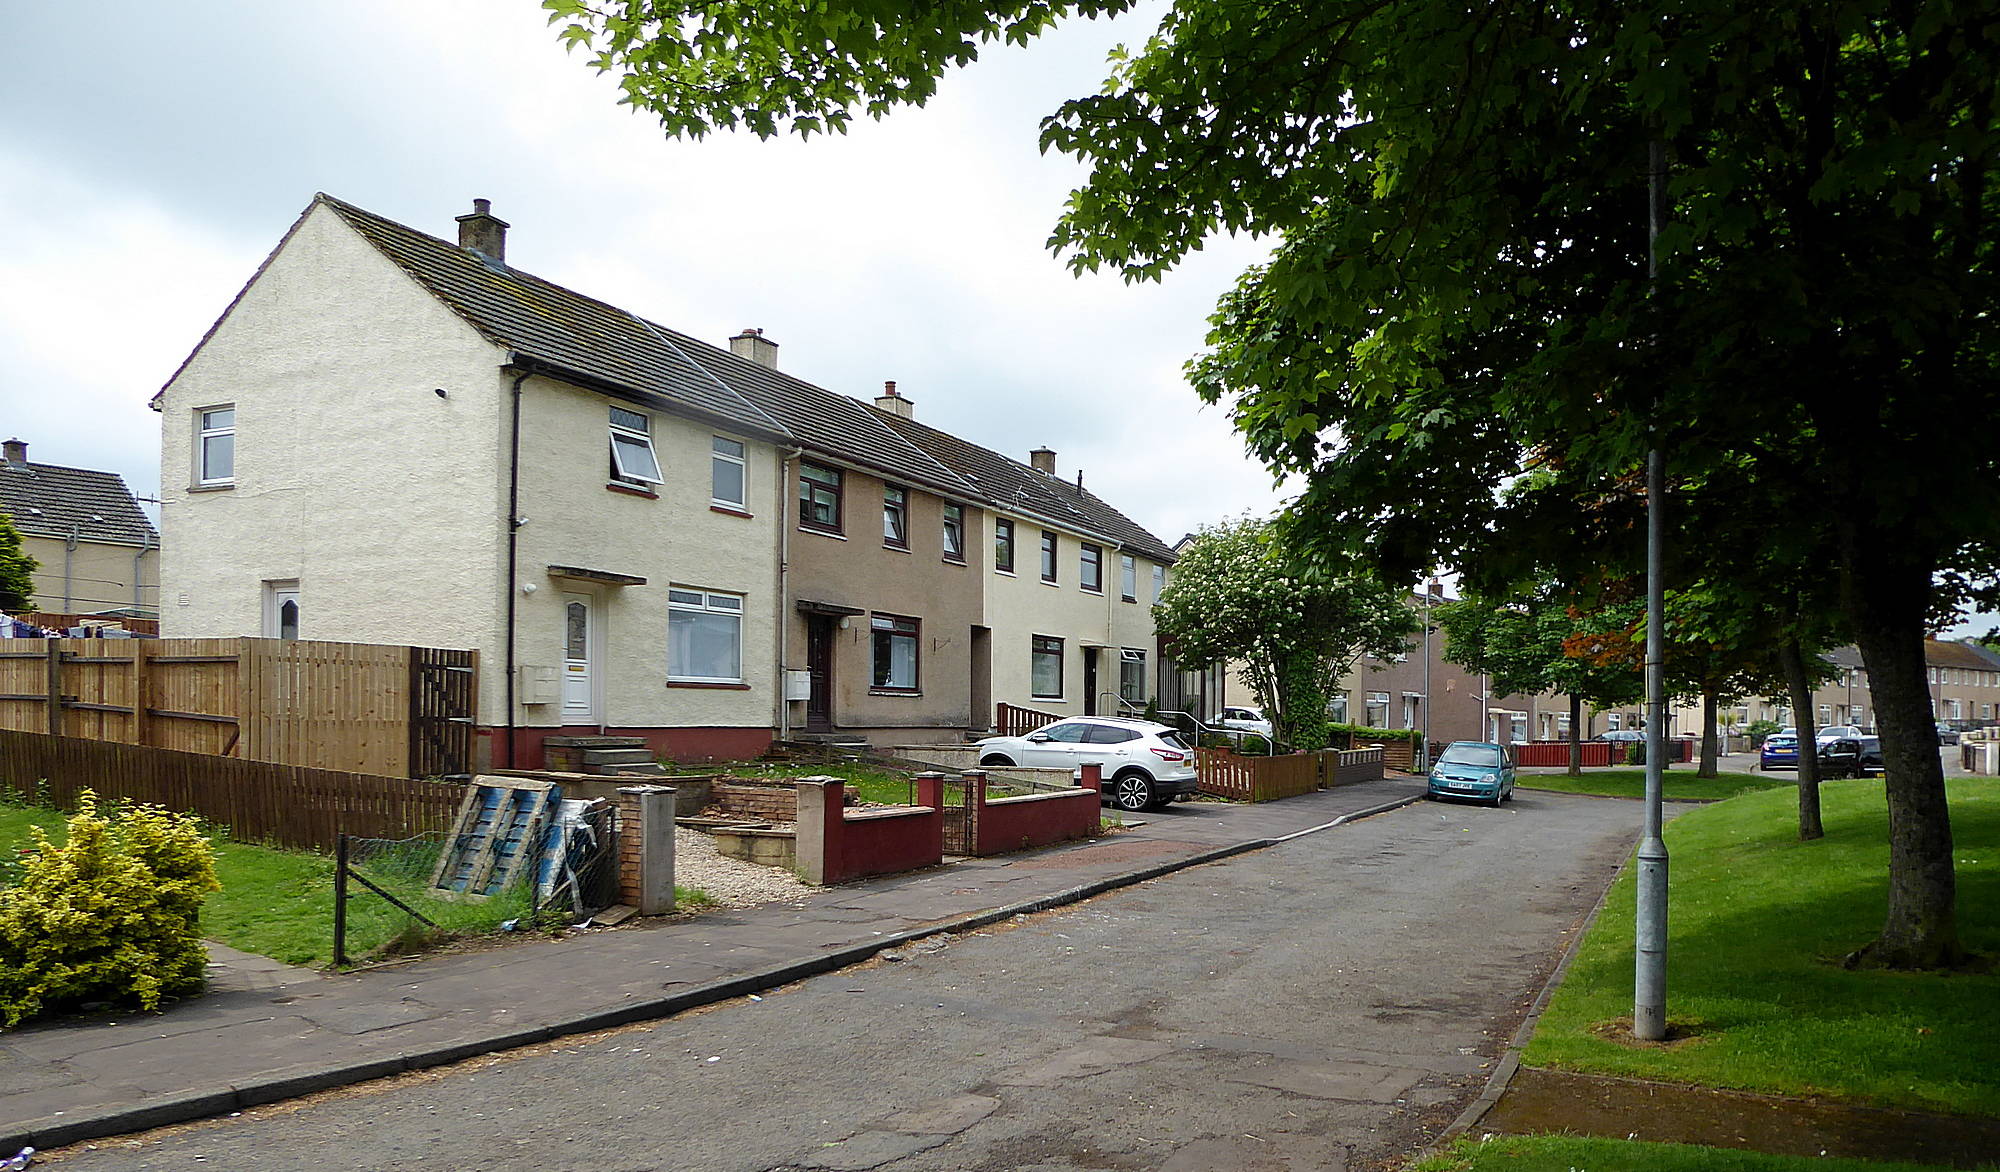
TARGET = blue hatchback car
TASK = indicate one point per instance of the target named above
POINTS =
(1478, 770)
(1780, 751)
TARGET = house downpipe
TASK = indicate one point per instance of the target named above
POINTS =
(513, 543)
(784, 706)
(69, 563)
(138, 571)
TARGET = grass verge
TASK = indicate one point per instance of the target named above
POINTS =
(1567, 1153)
(1681, 785)
(1758, 925)
(279, 903)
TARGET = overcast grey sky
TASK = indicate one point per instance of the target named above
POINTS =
(149, 161)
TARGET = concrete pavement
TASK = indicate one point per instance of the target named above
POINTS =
(260, 1043)
(1329, 1003)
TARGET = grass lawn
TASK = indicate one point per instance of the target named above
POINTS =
(1680, 784)
(279, 903)
(1565, 1153)
(1758, 924)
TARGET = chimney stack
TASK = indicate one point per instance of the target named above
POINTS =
(1043, 460)
(894, 403)
(753, 345)
(483, 232)
(15, 451)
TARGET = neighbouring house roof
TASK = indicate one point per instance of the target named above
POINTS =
(587, 340)
(1937, 653)
(49, 500)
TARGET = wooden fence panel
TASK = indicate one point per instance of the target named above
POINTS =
(342, 706)
(259, 801)
(1256, 779)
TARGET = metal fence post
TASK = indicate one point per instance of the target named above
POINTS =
(340, 902)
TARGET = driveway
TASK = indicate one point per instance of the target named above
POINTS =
(1328, 1003)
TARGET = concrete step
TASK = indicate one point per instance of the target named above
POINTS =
(596, 742)
(637, 769)
(618, 756)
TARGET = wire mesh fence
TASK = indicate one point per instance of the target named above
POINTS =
(397, 896)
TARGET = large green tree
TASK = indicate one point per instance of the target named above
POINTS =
(1237, 598)
(1462, 283)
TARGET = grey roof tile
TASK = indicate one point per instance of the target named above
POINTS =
(49, 500)
(549, 323)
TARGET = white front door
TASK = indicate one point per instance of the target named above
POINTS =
(579, 691)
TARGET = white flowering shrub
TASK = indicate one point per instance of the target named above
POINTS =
(1236, 596)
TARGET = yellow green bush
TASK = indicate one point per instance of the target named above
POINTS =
(112, 913)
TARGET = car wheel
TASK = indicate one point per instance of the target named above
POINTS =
(1132, 791)
(994, 759)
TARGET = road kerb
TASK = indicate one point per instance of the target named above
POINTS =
(53, 1133)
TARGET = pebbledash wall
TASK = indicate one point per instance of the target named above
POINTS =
(385, 502)
(1020, 605)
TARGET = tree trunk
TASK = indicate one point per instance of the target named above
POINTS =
(1709, 766)
(1575, 735)
(1888, 603)
(1799, 688)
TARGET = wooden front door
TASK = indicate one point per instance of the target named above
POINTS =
(819, 666)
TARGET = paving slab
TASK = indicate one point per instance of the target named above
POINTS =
(272, 1030)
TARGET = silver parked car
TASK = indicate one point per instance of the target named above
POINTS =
(1144, 764)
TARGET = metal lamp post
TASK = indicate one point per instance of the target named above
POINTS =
(1649, 986)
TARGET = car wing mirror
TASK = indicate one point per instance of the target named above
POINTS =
(1040, 738)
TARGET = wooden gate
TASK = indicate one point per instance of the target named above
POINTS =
(443, 693)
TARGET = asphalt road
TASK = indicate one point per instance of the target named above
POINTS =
(1330, 1003)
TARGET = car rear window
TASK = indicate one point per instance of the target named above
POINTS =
(1173, 740)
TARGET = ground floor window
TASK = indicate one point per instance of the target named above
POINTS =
(704, 636)
(1336, 709)
(1132, 676)
(1613, 721)
(896, 647)
(1046, 667)
(1378, 710)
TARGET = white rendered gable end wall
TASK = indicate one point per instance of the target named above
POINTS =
(386, 501)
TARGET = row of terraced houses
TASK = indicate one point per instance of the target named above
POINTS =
(392, 438)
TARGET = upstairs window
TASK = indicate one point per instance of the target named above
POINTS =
(819, 498)
(726, 473)
(1128, 578)
(1048, 556)
(1091, 568)
(632, 458)
(954, 533)
(895, 652)
(1003, 545)
(215, 445)
(895, 516)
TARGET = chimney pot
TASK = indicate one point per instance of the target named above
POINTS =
(1043, 460)
(894, 403)
(751, 344)
(15, 451)
(483, 232)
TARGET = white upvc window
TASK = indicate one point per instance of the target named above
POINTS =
(1377, 714)
(728, 473)
(704, 636)
(1132, 675)
(281, 609)
(215, 444)
(632, 457)
(1159, 583)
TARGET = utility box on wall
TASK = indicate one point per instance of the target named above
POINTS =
(798, 684)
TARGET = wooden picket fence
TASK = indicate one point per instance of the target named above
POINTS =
(259, 801)
(1225, 774)
(357, 707)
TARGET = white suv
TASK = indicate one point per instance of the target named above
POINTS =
(1144, 764)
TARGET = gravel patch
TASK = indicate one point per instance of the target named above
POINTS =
(730, 882)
